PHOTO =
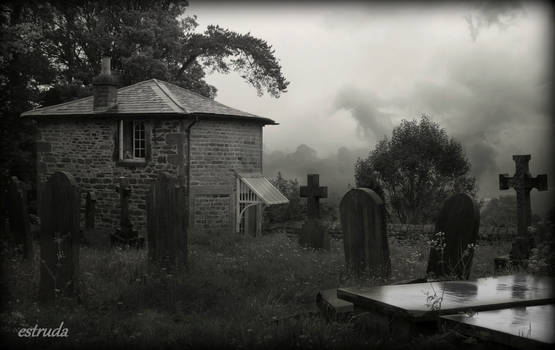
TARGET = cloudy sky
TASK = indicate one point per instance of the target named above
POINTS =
(356, 70)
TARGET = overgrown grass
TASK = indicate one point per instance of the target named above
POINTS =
(235, 292)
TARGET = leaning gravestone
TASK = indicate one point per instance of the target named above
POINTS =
(456, 232)
(365, 232)
(19, 217)
(314, 232)
(167, 222)
(59, 238)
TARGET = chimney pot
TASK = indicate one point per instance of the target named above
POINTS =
(105, 68)
(105, 88)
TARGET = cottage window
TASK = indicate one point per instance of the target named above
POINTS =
(132, 140)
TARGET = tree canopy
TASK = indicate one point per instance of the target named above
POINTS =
(51, 50)
(416, 170)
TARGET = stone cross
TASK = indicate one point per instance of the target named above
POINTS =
(313, 192)
(522, 183)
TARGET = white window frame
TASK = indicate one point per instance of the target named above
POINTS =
(121, 138)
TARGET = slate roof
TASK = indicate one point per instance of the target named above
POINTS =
(149, 97)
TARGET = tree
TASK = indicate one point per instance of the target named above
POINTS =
(285, 212)
(52, 50)
(500, 211)
(417, 170)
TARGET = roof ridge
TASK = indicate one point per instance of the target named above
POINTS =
(207, 98)
(169, 94)
(191, 91)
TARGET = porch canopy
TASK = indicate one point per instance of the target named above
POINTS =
(254, 189)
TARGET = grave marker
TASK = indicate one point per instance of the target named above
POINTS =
(126, 235)
(523, 183)
(523, 327)
(313, 192)
(59, 239)
(314, 232)
(167, 222)
(365, 232)
(92, 236)
(18, 216)
(488, 293)
(459, 221)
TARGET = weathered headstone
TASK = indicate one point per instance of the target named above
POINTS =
(314, 232)
(522, 183)
(19, 217)
(93, 236)
(456, 232)
(365, 232)
(126, 235)
(167, 222)
(59, 239)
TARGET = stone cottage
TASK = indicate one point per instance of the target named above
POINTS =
(138, 131)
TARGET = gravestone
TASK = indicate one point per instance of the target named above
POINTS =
(18, 216)
(314, 232)
(167, 222)
(364, 228)
(125, 235)
(453, 250)
(59, 238)
(522, 183)
(93, 236)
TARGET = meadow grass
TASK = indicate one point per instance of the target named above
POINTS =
(235, 292)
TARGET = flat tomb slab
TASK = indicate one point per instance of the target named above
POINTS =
(522, 327)
(412, 300)
(328, 301)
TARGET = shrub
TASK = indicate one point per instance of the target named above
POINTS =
(285, 212)
(542, 256)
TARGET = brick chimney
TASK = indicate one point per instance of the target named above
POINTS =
(105, 88)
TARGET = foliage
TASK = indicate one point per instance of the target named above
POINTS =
(500, 211)
(366, 176)
(418, 169)
(542, 256)
(52, 50)
(285, 212)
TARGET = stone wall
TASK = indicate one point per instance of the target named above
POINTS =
(85, 148)
(218, 148)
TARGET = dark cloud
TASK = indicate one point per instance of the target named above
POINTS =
(489, 102)
(365, 109)
(336, 170)
(492, 13)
